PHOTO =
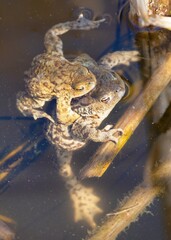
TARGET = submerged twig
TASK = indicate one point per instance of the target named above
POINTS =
(9, 164)
(134, 204)
(23, 153)
(130, 120)
(5, 232)
(114, 224)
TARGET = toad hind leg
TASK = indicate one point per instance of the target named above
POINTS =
(111, 60)
(29, 107)
(83, 198)
(54, 43)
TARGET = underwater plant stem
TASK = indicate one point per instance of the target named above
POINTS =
(130, 120)
(134, 204)
(10, 162)
(117, 222)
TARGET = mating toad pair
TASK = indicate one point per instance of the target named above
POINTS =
(97, 89)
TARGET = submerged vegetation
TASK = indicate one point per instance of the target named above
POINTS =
(155, 96)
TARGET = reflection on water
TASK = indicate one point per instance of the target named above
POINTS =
(34, 196)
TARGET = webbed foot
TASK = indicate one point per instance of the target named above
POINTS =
(113, 133)
(85, 204)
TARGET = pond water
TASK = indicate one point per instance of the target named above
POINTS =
(35, 196)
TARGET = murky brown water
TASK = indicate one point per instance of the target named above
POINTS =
(36, 198)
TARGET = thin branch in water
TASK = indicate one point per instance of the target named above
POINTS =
(130, 120)
(135, 204)
(23, 153)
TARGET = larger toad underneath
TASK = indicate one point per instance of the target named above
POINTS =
(93, 109)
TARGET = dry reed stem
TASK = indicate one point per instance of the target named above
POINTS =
(5, 231)
(130, 120)
(12, 153)
(134, 204)
(22, 148)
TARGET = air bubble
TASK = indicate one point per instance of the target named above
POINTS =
(108, 18)
(87, 12)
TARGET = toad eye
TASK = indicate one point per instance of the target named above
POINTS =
(79, 87)
(105, 99)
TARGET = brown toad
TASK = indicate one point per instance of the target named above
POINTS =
(110, 89)
(52, 76)
(93, 108)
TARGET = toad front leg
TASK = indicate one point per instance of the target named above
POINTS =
(86, 130)
(82, 82)
(65, 114)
